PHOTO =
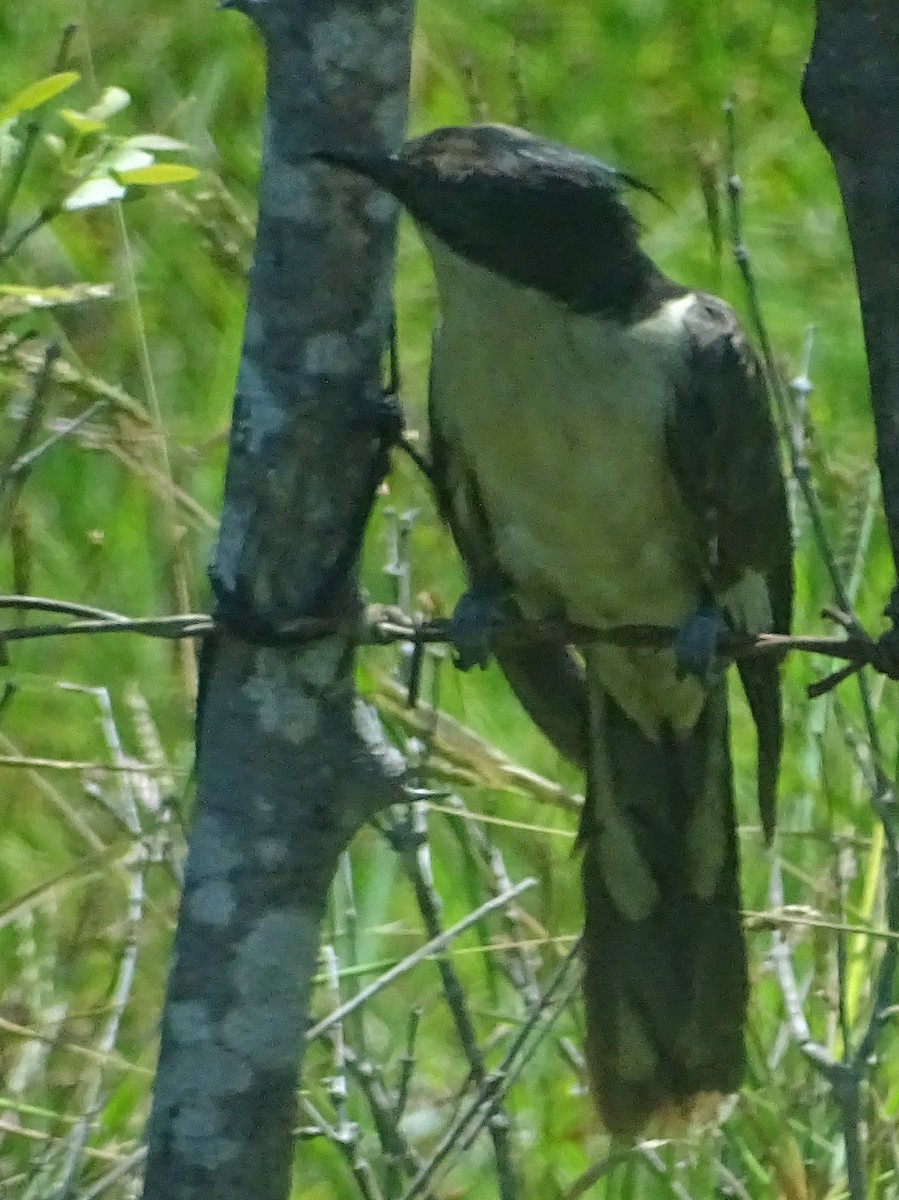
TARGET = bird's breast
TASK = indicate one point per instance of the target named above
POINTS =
(562, 419)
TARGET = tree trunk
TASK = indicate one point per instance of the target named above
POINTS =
(851, 94)
(284, 775)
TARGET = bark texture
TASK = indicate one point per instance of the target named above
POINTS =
(285, 769)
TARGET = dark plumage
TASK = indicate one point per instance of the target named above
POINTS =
(603, 451)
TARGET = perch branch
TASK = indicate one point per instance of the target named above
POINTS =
(380, 626)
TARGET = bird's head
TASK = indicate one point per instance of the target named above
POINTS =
(529, 209)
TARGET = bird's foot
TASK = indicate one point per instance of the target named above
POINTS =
(475, 620)
(696, 643)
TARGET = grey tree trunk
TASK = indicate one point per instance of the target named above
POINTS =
(284, 773)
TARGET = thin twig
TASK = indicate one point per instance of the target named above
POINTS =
(133, 1160)
(48, 213)
(886, 975)
(799, 466)
(653, 1160)
(178, 575)
(93, 1084)
(25, 462)
(136, 864)
(90, 387)
(408, 837)
(86, 766)
(361, 1169)
(843, 1078)
(597, 1171)
(521, 961)
(344, 902)
(190, 625)
(346, 1133)
(407, 1065)
(13, 480)
(434, 946)
(337, 1083)
(471, 1119)
(399, 1155)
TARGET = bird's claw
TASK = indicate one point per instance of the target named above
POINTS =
(696, 643)
(475, 620)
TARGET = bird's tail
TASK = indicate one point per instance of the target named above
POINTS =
(665, 961)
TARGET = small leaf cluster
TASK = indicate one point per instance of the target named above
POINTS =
(90, 162)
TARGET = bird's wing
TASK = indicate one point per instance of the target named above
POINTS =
(546, 677)
(723, 452)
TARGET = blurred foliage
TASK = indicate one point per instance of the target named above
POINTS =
(143, 293)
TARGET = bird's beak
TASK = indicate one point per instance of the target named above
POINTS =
(382, 169)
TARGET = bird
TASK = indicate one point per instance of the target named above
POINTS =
(603, 451)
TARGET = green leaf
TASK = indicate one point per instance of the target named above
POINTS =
(37, 94)
(80, 122)
(113, 100)
(158, 174)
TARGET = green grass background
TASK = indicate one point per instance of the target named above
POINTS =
(122, 516)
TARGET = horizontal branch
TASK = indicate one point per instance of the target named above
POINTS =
(380, 625)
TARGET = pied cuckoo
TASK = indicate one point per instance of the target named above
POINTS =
(603, 453)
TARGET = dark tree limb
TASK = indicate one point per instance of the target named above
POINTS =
(284, 773)
(851, 95)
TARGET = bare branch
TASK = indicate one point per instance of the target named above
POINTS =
(408, 836)
(435, 945)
